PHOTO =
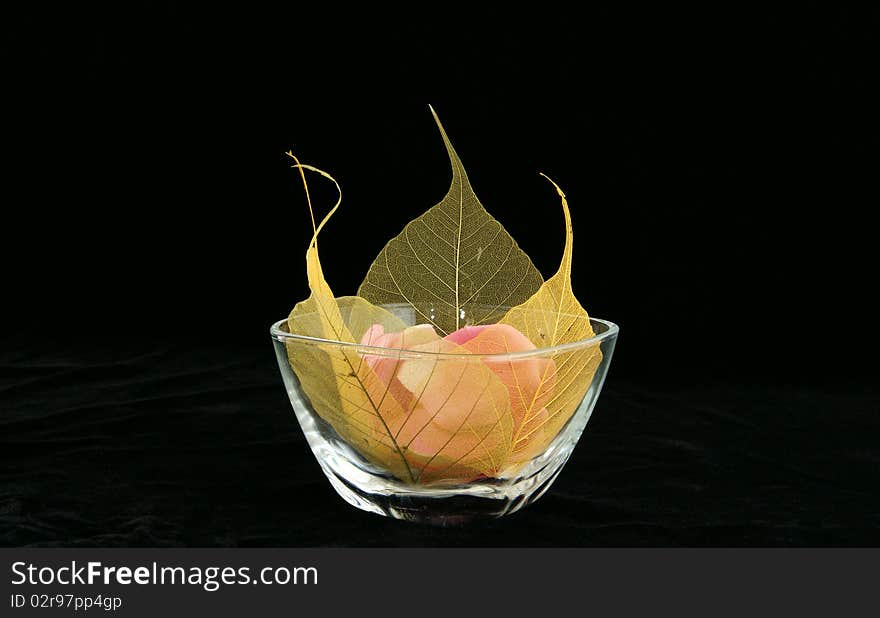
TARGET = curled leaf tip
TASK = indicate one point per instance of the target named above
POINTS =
(553, 182)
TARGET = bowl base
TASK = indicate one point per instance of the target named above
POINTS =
(438, 509)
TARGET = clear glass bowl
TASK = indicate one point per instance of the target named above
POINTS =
(450, 495)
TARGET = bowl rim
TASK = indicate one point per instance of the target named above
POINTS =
(610, 333)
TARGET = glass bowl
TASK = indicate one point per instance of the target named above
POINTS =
(473, 474)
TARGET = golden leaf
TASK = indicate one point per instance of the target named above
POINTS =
(552, 317)
(448, 419)
(455, 264)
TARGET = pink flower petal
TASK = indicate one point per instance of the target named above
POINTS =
(451, 409)
(465, 334)
(530, 381)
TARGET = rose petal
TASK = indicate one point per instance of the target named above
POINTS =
(530, 381)
(453, 407)
(465, 334)
(387, 366)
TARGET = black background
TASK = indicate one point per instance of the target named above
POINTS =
(719, 167)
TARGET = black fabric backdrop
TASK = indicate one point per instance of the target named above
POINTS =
(718, 166)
